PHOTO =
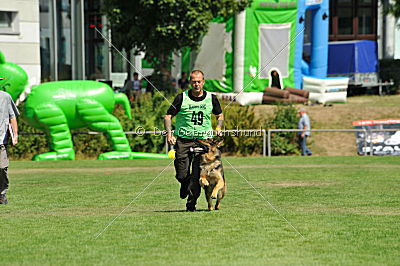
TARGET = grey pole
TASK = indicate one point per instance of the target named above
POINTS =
(269, 142)
(264, 142)
(365, 142)
(73, 39)
(54, 44)
(370, 144)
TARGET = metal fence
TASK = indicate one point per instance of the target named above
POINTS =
(367, 134)
(265, 134)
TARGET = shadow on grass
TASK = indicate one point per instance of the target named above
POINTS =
(172, 211)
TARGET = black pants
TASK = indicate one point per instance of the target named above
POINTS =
(3, 179)
(184, 159)
(3, 168)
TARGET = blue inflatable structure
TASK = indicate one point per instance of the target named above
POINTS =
(318, 65)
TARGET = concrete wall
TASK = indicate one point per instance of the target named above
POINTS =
(23, 46)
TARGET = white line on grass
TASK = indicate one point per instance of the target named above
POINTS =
(137, 196)
(258, 73)
(265, 199)
(126, 59)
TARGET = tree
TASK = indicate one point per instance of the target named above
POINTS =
(162, 27)
(391, 7)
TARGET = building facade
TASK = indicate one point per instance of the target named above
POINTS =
(68, 39)
(20, 35)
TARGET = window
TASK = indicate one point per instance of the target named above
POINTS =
(96, 49)
(353, 20)
(9, 23)
(55, 40)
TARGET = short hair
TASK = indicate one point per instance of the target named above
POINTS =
(196, 71)
(137, 74)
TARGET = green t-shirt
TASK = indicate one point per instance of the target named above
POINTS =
(194, 118)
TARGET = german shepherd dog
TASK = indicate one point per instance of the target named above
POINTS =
(211, 173)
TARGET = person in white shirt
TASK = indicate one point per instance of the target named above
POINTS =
(305, 125)
(8, 126)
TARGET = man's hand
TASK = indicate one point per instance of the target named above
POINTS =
(218, 131)
(304, 131)
(167, 124)
(171, 139)
(15, 140)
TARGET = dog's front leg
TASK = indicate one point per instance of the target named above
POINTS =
(203, 179)
(207, 191)
(218, 186)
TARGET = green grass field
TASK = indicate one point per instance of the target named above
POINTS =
(347, 209)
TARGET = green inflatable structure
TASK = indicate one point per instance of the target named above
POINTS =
(58, 107)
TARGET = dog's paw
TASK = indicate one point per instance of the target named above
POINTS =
(214, 195)
(204, 182)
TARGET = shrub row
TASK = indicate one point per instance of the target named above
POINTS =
(148, 113)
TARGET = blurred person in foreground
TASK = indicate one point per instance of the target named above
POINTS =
(8, 128)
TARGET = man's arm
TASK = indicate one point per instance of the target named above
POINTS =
(14, 126)
(172, 111)
(168, 127)
(306, 123)
(220, 123)
(303, 133)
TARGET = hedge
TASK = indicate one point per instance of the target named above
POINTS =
(148, 113)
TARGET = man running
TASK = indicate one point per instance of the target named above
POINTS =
(193, 109)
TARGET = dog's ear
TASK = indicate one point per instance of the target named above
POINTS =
(204, 142)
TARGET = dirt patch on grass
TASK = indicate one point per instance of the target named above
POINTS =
(356, 210)
(110, 170)
(301, 184)
(157, 168)
(88, 170)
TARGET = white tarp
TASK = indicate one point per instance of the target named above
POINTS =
(211, 56)
(274, 44)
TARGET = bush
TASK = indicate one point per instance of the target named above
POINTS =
(148, 113)
(238, 117)
(283, 143)
(30, 143)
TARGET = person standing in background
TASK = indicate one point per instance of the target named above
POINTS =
(305, 125)
(137, 86)
(183, 82)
